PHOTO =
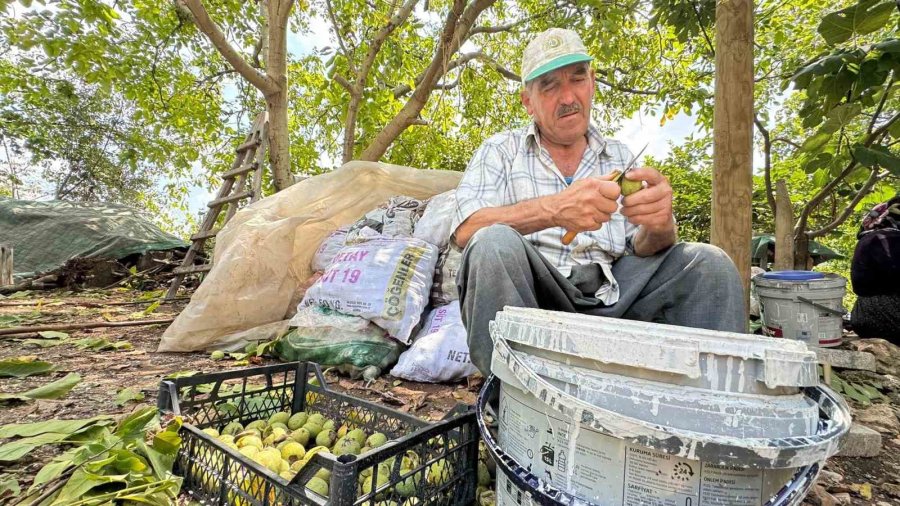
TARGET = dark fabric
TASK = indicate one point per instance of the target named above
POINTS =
(877, 316)
(876, 264)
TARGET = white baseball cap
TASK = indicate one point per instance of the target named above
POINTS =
(550, 50)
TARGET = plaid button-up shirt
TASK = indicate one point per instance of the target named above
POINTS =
(512, 166)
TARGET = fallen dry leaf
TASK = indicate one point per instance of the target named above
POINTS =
(414, 398)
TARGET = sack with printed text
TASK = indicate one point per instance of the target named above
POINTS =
(443, 289)
(328, 249)
(385, 280)
(434, 226)
(351, 344)
(440, 353)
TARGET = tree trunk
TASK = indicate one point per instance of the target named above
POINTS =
(276, 101)
(272, 84)
(279, 141)
(733, 128)
(801, 251)
(784, 228)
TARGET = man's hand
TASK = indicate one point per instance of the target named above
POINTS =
(585, 205)
(651, 207)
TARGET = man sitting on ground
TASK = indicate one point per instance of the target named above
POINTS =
(523, 189)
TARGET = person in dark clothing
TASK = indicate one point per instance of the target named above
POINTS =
(875, 273)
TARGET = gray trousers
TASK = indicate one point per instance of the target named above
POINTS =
(689, 284)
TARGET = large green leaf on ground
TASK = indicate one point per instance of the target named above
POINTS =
(127, 395)
(136, 423)
(56, 389)
(53, 390)
(21, 367)
(9, 487)
(17, 449)
(61, 426)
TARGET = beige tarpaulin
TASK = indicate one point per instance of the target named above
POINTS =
(266, 250)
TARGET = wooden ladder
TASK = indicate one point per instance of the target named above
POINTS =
(243, 181)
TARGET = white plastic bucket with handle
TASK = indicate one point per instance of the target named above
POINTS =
(616, 412)
(802, 305)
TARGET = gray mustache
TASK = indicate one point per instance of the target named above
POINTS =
(567, 109)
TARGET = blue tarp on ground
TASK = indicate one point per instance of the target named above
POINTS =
(45, 235)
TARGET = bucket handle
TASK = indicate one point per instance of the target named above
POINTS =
(828, 310)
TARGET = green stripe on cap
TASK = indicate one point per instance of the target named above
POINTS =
(556, 63)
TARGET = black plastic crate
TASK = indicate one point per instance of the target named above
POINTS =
(216, 474)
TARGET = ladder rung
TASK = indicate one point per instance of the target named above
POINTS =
(192, 269)
(205, 235)
(240, 170)
(247, 145)
(230, 198)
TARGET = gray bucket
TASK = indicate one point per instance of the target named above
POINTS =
(802, 305)
(616, 412)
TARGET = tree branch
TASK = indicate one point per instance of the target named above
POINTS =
(767, 173)
(448, 86)
(878, 110)
(456, 25)
(403, 89)
(214, 76)
(343, 82)
(206, 25)
(696, 9)
(499, 28)
(867, 188)
(619, 87)
(828, 188)
(340, 39)
(786, 141)
(359, 84)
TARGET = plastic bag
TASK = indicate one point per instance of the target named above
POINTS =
(434, 226)
(328, 249)
(443, 289)
(238, 340)
(401, 216)
(396, 218)
(385, 280)
(351, 344)
(440, 353)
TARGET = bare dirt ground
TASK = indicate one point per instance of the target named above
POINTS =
(137, 365)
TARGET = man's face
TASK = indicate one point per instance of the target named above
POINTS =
(560, 102)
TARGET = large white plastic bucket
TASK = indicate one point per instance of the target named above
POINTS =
(615, 412)
(802, 305)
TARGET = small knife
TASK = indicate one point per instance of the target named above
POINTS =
(570, 235)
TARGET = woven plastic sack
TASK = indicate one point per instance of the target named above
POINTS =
(385, 280)
(434, 226)
(328, 249)
(440, 353)
(401, 216)
(265, 252)
(351, 344)
(395, 218)
(443, 289)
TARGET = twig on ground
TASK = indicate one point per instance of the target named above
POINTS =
(76, 326)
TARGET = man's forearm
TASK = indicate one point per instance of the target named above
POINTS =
(525, 217)
(650, 242)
